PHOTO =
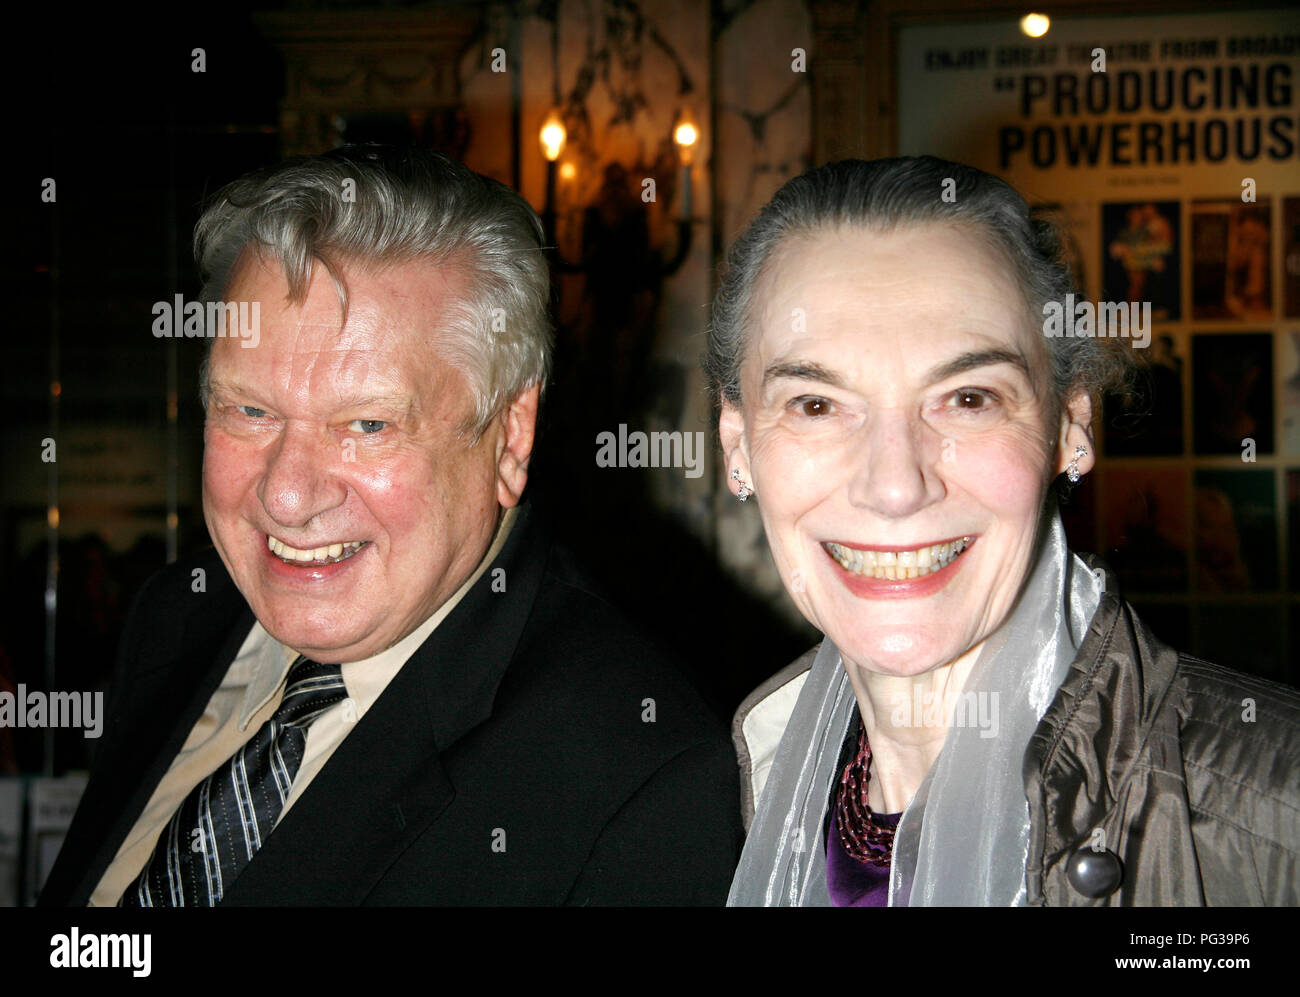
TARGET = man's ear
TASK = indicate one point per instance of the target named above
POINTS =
(731, 433)
(515, 446)
(1076, 430)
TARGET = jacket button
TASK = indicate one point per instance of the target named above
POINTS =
(1095, 874)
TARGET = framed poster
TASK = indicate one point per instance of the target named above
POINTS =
(1231, 260)
(1141, 255)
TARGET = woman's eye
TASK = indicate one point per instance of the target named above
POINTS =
(367, 425)
(972, 399)
(252, 413)
(812, 406)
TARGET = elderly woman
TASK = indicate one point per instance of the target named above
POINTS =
(986, 722)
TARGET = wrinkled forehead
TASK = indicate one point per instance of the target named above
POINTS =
(393, 329)
(921, 282)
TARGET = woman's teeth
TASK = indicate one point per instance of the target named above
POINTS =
(316, 555)
(915, 563)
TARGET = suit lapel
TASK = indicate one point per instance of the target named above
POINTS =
(386, 783)
(167, 692)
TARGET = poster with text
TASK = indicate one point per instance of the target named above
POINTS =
(1139, 109)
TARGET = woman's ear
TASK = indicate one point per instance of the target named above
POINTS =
(731, 433)
(1076, 431)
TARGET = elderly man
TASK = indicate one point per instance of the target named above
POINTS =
(385, 685)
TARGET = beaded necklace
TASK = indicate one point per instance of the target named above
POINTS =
(863, 838)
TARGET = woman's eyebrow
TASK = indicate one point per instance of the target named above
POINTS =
(800, 370)
(977, 358)
(807, 370)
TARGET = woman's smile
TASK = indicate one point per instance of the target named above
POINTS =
(897, 562)
(911, 573)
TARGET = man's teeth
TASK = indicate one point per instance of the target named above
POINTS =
(329, 554)
(915, 563)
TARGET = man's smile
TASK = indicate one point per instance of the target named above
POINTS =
(325, 554)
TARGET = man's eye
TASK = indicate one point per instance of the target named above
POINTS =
(812, 406)
(367, 425)
(252, 413)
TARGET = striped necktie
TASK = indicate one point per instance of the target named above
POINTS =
(227, 816)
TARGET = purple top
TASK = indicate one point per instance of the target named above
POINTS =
(852, 883)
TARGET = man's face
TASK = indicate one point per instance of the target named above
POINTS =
(336, 487)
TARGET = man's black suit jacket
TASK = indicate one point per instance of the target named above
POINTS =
(511, 760)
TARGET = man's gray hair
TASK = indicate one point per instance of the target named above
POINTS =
(886, 194)
(378, 206)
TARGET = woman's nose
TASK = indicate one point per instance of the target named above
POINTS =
(893, 473)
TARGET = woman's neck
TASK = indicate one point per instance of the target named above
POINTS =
(907, 719)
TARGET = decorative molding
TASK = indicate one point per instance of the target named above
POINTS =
(336, 62)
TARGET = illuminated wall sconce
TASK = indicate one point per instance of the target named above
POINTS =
(552, 138)
(686, 134)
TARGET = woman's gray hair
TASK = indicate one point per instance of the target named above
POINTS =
(883, 195)
(378, 206)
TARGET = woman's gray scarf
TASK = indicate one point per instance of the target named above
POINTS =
(963, 840)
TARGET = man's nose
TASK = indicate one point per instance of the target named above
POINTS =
(301, 476)
(894, 473)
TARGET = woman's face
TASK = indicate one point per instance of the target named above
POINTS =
(896, 401)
